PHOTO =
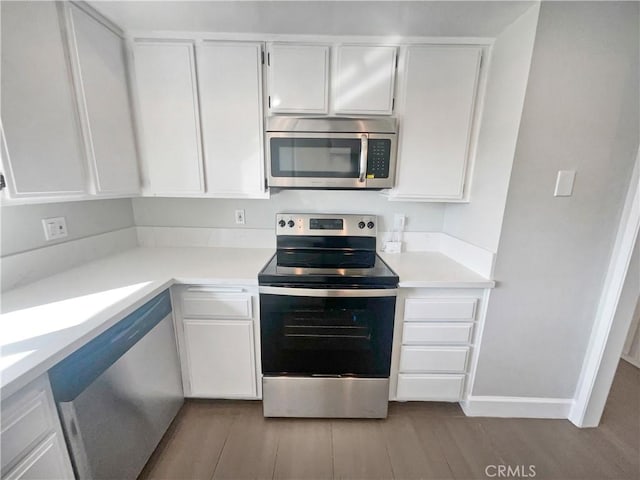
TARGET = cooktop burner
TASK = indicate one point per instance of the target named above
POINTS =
(326, 250)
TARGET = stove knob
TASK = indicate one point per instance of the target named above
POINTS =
(282, 223)
(370, 225)
(361, 225)
(291, 223)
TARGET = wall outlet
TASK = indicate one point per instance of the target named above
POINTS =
(392, 247)
(240, 217)
(54, 228)
(399, 220)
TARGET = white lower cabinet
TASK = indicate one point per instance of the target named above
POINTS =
(31, 440)
(220, 358)
(433, 353)
(46, 461)
(217, 332)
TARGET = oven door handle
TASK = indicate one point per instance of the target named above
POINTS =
(329, 292)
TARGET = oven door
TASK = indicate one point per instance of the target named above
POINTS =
(317, 160)
(326, 332)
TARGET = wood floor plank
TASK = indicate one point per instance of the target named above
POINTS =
(570, 448)
(191, 447)
(232, 440)
(625, 456)
(465, 445)
(250, 449)
(411, 457)
(359, 450)
(304, 450)
(519, 449)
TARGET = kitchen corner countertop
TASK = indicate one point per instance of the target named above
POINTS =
(45, 321)
(433, 270)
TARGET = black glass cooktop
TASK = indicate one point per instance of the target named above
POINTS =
(327, 269)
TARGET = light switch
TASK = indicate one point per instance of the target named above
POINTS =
(564, 183)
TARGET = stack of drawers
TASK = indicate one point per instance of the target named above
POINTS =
(436, 344)
(32, 445)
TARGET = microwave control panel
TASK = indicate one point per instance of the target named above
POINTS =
(378, 158)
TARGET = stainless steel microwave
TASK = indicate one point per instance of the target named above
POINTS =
(347, 153)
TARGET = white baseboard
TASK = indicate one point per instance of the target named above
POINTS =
(26, 267)
(516, 407)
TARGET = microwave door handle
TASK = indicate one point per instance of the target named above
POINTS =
(364, 148)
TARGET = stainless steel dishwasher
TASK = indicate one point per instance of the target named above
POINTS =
(118, 394)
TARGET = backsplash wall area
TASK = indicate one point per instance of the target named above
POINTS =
(260, 214)
(95, 228)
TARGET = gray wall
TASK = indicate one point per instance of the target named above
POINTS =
(580, 112)
(184, 212)
(22, 224)
(479, 222)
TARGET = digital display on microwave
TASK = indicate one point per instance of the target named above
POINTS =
(326, 224)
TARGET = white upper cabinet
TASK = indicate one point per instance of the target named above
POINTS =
(44, 153)
(230, 79)
(105, 105)
(436, 117)
(298, 78)
(169, 117)
(363, 81)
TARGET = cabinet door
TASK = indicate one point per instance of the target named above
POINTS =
(230, 78)
(298, 78)
(220, 356)
(105, 105)
(44, 148)
(48, 460)
(166, 91)
(364, 80)
(439, 97)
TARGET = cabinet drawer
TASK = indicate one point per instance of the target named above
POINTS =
(45, 461)
(415, 333)
(433, 359)
(216, 305)
(421, 309)
(23, 424)
(430, 387)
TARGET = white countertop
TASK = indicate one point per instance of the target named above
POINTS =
(43, 322)
(433, 270)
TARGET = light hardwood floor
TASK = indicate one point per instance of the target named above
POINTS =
(231, 440)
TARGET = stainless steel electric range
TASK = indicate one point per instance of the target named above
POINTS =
(327, 305)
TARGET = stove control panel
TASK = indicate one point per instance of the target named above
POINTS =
(314, 224)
